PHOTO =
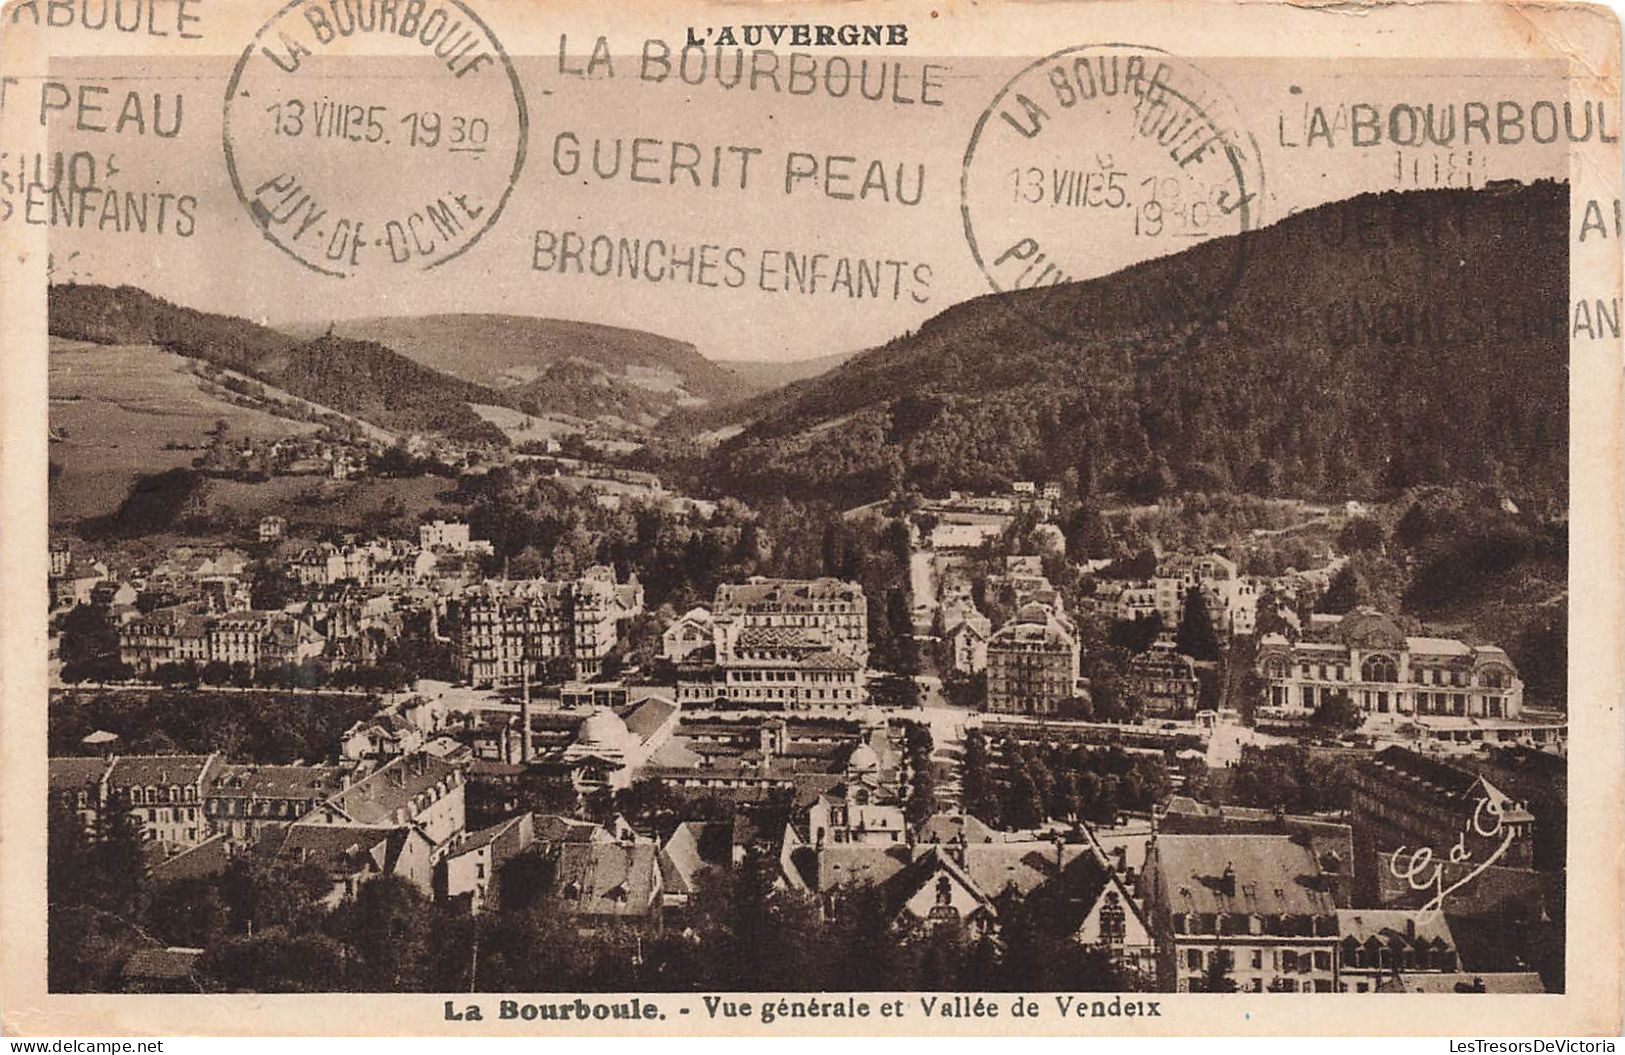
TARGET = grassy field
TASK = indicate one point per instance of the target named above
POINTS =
(120, 411)
(313, 504)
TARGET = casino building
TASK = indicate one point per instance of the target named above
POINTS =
(1387, 674)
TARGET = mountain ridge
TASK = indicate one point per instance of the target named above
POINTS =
(1421, 337)
(560, 366)
(360, 378)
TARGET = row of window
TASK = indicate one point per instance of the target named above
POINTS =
(1288, 961)
(168, 816)
(816, 677)
(1381, 669)
(798, 694)
(172, 793)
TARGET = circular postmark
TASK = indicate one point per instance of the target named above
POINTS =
(1100, 159)
(365, 135)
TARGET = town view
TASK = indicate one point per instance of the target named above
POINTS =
(504, 654)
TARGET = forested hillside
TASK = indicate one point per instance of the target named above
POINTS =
(554, 366)
(360, 378)
(1367, 345)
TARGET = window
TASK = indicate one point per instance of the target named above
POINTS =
(1193, 959)
(1379, 668)
(1113, 921)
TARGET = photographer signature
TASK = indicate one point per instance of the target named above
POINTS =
(1423, 872)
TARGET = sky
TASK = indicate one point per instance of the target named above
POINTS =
(918, 257)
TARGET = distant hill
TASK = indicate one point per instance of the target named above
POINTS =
(1368, 344)
(768, 374)
(551, 366)
(360, 378)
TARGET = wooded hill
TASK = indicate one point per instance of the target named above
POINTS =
(1366, 345)
(360, 378)
(553, 366)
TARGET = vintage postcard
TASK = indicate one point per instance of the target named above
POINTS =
(530, 518)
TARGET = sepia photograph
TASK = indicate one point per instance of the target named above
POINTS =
(608, 514)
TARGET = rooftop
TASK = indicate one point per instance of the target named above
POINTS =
(248, 781)
(158, 770)
(375, 798)
(693, 846)
(760, 591)
(1271, 875)
(341, 849)
(607, 879)
(70, 773)
(1394, 925)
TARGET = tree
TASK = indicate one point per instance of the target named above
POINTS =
(894, 691)
(388, 924)
(1270, 620)
(965, 690)
(1024, 802)
(271, 586)
(189, 912)
(1338, 712)
(1136, 635)
(264, 893)
(88, 636)
(1216, 979)
(1359, 535)
(1195, 637)
(1344, 593)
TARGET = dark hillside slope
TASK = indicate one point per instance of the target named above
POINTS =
(360, 378)
(1369, 344)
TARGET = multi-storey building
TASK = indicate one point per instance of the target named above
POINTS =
(689, 632)
(441, 534)
(1258, 912)
(1232, 601)
(1378, 947)
(453, 536)
(834, 610)
(257, 639)
(510, 630)
(1387, 674)
(242, 800)
(777, 667)
(775, 643)
(164, 794)
(1165, 681)
(80, 786)
(1033, 663)
(419, 790)
(1404, 799)
(165, 635)
(968, 640)
(179, 635)
(327, 564)
(860, 811)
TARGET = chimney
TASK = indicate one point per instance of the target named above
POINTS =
(1227, 881)
(1410, 927)
(524, 700)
